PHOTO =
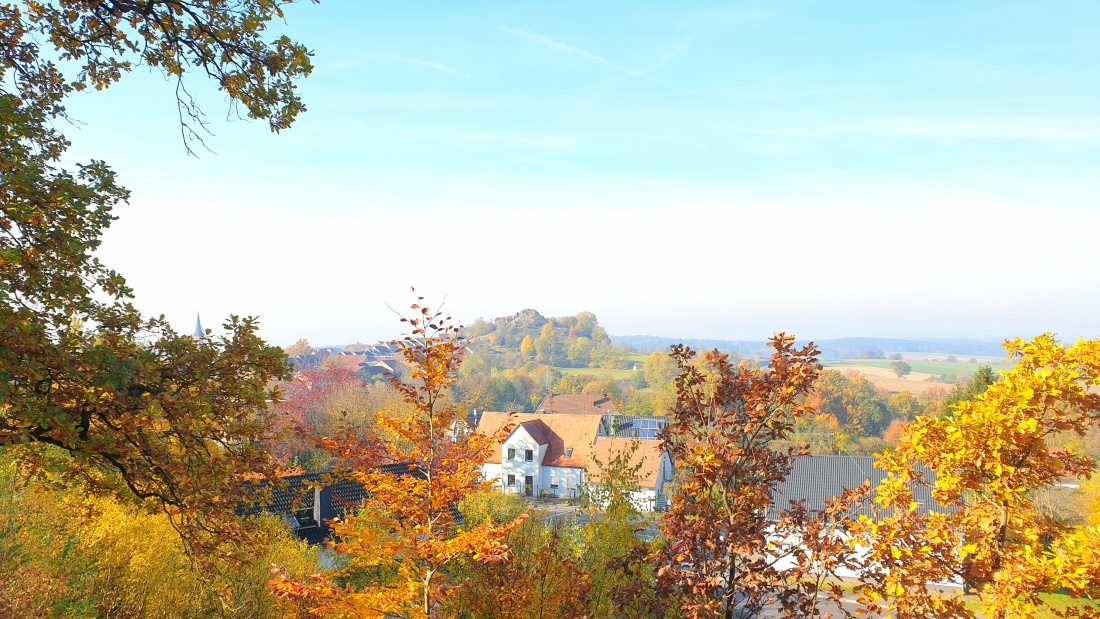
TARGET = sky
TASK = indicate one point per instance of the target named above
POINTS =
(703, 169)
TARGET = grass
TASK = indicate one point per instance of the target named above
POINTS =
(1053, 601)
(602, 373)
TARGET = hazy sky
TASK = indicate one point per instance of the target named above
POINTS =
(682, 169)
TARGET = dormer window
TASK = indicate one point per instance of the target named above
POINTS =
(511, 454)
(569, 452)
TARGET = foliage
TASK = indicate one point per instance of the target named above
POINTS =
(90, 390)
(398, 551)
(973, 387)
(66, 552)
(719, 555)
(222, 38)
(299, 348)
(323, 402)
(901, 368)
(491, 506)
(859, 409)
(991, 455)
(542, 576)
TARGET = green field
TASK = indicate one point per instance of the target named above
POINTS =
(603, 374)
(1059, 601)
(924, 367)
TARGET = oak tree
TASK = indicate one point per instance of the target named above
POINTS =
(722, 552)
(89, 389)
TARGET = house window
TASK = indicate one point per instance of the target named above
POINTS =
(569, 452)
(511, 454)
(512, 480)
(529, 455)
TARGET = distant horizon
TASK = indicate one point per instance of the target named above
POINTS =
(869, 168)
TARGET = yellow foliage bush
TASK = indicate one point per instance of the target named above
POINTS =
(65, 553)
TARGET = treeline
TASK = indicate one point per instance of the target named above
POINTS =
(840, 348)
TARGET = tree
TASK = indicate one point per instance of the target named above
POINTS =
(579, 352)
(904, 406)
(976, 385)
(721, 433)
(223, 39)
(546, 346)
(660, 369)
(398, 550)
(901, 368)
(299, 348)
(527, 347)
(126, 404)
(991, 454)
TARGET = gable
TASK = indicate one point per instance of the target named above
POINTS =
(569, 438)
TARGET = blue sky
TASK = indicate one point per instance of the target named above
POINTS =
(683, 169)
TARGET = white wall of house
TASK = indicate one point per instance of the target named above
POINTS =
(645, 499)
(518, 466)
(490, 471)
(567, 479)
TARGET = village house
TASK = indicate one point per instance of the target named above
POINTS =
(555, 454)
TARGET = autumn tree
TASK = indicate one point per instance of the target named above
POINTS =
(299, 348)
(91, 390)
(990, 454)
(904, 406)
(720, 554)
(527, 346)
(853, 400)
(398, 550)
(224, 40)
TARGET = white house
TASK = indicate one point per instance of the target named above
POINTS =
(554, 454)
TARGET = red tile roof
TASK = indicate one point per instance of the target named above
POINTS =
(648, 455)
(538, 431)
(583, 403)
(562, 433)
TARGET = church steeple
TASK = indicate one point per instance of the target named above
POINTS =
(199, 333)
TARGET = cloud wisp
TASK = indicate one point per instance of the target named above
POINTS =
(569, 50)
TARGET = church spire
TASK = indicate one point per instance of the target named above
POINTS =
(199, 333)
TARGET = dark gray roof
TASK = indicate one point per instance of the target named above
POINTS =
(293, 499)
(816, 479)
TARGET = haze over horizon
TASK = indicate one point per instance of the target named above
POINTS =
(905, 170)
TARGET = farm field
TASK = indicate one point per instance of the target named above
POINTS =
(893, 384)
(919, 366)
(917, 382)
